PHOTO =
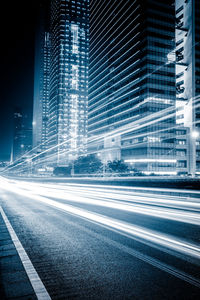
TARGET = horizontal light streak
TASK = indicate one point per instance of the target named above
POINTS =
(156, 239)
(146, 160)
(130, 189)
(133, 202)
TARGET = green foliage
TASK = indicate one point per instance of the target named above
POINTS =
(117, 166)
(89, 164)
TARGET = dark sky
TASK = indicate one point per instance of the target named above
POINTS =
(18, 22)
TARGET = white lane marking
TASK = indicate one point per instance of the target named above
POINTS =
(33, 276)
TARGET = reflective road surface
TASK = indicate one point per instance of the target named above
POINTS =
(101, 242)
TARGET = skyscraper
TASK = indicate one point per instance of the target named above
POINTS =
(188, 76)
(41, 79)
(132, 83)
(68, 97)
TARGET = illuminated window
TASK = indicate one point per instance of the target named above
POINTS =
(74, 77)
(74, 33)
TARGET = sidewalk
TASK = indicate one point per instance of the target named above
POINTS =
(14, 282)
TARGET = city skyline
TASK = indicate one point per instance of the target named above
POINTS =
(100, 149)
(134, 60)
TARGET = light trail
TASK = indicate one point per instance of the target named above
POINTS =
(164, 208)
(110, 193)
(54, 155)
(98, 138)
(133, 126)
(154, 238)
(118, 131)
(29, 152)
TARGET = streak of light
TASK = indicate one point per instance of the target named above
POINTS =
(131, 127)
(166, 209)
(29, 152)
(155, 238)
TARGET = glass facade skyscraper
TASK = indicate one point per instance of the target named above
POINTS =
(188, 77)
(132, 83)
(61, 80)
(41, 80)
(68, 97)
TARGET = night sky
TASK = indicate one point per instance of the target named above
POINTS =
(17, 61)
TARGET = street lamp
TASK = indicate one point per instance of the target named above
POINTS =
(195, 134)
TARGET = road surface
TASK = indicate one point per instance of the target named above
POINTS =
(101, 242)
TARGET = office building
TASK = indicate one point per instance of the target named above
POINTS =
(188, 77)
(41, 80)
(68, 85)
(132, 92)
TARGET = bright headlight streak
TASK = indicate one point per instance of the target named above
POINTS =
(132, 231)
(106, 194)
(123, 227)
(110, 193)
(170, 214)
(131, 188)
(110, 188)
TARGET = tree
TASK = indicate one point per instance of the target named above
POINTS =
(117, 166)
(89, 164)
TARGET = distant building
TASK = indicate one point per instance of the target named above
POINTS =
(188, 77)
(132, 83)
(41, 80)
(22, 137)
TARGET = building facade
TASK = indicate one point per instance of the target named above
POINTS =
(68, 85)
(22, 135)
(188, 77)
(131, 113)
(41, 80)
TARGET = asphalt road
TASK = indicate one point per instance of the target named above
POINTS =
(100, 242)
